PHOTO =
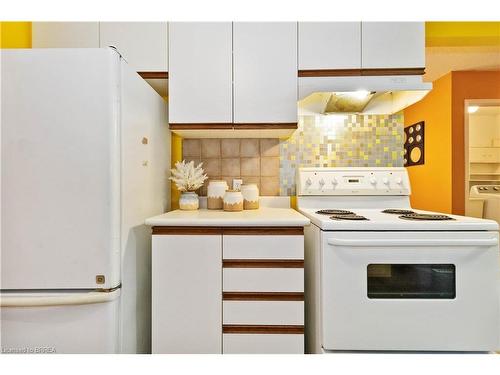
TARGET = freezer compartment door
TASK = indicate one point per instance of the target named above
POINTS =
(60, 169)
(63, 322)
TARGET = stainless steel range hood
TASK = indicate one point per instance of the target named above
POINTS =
(360, 95)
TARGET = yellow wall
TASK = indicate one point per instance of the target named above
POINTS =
(15, 34)
(432, 182)
(176, 155)
(462, 34)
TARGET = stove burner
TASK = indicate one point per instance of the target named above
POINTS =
(334, 212)
(348, 217)
(398, 211)
(416, 216)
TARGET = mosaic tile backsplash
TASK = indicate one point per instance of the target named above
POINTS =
(320, 141)
(341, 141)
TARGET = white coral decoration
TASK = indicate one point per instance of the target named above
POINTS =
(187, 177)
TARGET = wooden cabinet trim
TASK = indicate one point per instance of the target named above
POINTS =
(263, 329)
(262, 125)
(263, 231)
(186, 230)
(262, 263)
(201, 126)
(360, 72)
(329, 72)
(229, 125)
(248, 231)
(392, 71)
(263, 296)
(153, 75)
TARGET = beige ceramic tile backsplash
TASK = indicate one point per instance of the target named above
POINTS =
(253, 160)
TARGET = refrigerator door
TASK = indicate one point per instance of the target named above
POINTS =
(62, 322)
(60, 172)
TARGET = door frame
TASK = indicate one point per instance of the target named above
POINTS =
(467, 103)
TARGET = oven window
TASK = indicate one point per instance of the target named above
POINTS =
(425, 281)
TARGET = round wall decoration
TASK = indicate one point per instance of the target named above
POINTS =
(414, 144)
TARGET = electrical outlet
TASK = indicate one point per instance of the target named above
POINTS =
(237, 184)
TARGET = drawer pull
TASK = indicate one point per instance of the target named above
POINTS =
(266, 329)
(263, 296)
(263, 263)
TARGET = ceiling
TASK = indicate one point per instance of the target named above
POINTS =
(453, 46)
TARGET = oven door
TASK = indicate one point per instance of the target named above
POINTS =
(436, 291)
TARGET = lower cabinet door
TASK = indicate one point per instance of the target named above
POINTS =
(187, 294)
(263, 343)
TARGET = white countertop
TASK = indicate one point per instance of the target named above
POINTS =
(262, 217)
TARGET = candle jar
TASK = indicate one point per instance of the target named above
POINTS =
(215, 194)
(250, 196)
(233, 200)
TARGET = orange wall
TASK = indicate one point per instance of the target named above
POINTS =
(431, 182)
(439, 184)
(467, 85)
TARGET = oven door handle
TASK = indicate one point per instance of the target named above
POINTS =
(412, 242)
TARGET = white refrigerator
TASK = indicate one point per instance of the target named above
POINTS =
(85, 150)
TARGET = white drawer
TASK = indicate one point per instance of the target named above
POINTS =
(263, 247)
(263, 280)
(263, 312)
(263, 343)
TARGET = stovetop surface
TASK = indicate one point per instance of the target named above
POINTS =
(380, 221)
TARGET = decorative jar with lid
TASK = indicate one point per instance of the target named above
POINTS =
(215, 194)
(233, 200)
(250, 196)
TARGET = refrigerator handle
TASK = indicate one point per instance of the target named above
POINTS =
(64, 299)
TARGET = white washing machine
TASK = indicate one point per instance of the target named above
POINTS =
(491, 196)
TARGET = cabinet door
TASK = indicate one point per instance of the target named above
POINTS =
(187, 294)
(265, 72)
(329, 45)
(200, 72)
(142, 44)
(65, 34)
(393, 45)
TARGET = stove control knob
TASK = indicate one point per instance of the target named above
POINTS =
(385, 180)
(321, 182)
(334, 181)
(308, 182)
(495, 188)
(373, 181)
(399, 180)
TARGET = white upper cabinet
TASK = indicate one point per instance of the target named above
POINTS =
(393, 45)
(65, 34)
(265, 72)
(329, 45)
(200, 72)
(142, 44)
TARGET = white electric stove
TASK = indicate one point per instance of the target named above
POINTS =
(382, 276)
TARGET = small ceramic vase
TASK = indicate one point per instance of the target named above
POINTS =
(189, 201)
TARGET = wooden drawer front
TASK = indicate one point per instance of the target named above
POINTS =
(263, 312)
(263, 343)
(263, 279)
(263, 247)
